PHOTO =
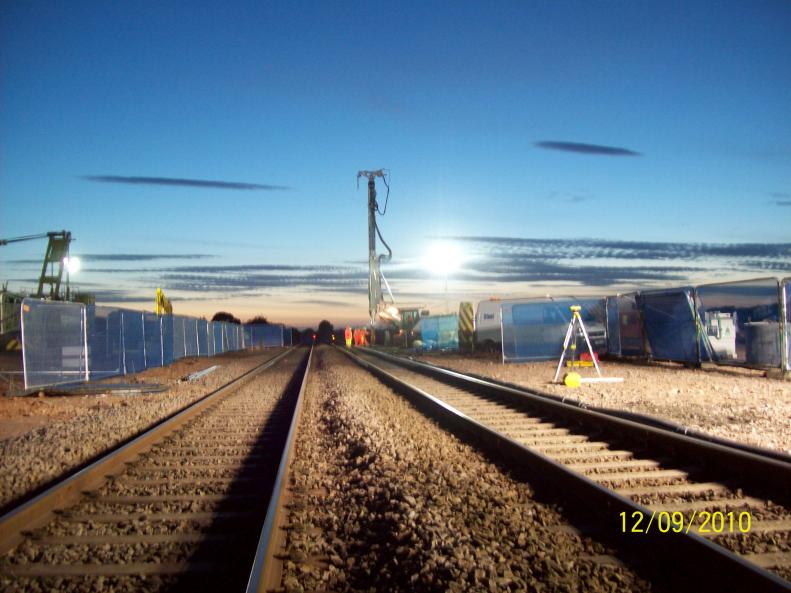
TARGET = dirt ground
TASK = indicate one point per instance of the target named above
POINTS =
(732, 403)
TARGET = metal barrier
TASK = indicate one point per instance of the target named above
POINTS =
(53, 343)
(669, 323)
(785, 303)
(740, 322)
(535, 330)
(439, 332)
(71, 342)
(745, 323)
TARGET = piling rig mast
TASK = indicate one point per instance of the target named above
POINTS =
(377, 307)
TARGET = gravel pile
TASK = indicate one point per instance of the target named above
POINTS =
(386, 501)
(736, 404)
(36, 457)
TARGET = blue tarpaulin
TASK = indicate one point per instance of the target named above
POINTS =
(439, 332)
(670, 324)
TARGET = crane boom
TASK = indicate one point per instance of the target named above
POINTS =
(25, 238)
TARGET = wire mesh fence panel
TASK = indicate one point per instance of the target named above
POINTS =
(630, 326)
(236, 330)
(133, 341)
(203, 337)
(178, 338)
(740, 322)
(105, 345)
(786, 296)
(167, 339)
(266, 336)
(152, 326)
(53, 343)
(670, 324)
(536, 330)
(218, 339)
(71, 342)
(248, 336)
(210, 338)
(613, 329)
(191, 337)
(226, 337)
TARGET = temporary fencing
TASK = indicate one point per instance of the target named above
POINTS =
(72, 342)
(439, 332)
(533, 329)
(745, 323)
(786, 301)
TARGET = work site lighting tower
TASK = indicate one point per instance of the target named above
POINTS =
(375, 296)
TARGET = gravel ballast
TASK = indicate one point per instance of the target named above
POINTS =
(88, 425)
(731, 403)
(387, 501)
(141, 532)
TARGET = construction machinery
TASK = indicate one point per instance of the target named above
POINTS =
(163, 305)
(56, 261)
(378, 308)
(51, 283)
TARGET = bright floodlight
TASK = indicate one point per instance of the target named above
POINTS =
(72, 264)
(443, 258)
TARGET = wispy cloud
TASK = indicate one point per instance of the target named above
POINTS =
(783, 202)
(326, 303)
(234, 278)
(175, 181)
(573, 197)
(599, 263)
(636, 250)
(122, 257)
(581, 148)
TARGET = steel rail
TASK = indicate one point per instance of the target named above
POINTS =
(690, 561)
(770, 474)
(38, 510)
(266, 572)
(439, 371)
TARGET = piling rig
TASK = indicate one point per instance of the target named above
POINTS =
(378, 308)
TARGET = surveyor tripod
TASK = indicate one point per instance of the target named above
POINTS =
(575, 326)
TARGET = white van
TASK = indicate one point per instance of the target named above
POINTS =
(487, 325)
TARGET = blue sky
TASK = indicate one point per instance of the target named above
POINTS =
(455, 99)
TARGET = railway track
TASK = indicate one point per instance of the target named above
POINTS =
(181, 507)
(651, 491)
